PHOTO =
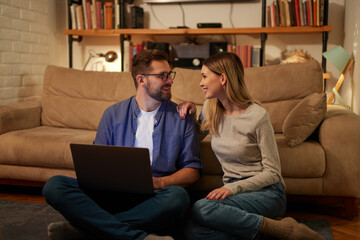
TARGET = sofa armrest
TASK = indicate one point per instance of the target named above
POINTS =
(19, 116)
(339, 135)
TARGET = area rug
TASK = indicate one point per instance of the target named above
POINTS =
(29, 221)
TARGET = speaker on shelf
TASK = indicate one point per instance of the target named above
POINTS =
(159, 46)
(217, 47)
(192, 63)
(137, 17)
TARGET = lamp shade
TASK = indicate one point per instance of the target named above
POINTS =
(338, 57)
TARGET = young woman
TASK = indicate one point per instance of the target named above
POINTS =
(243, 140)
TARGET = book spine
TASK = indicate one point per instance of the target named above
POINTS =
(281, 13)
(109, 15)
(88, 14)
(287, 13)
(273, 20)
(73, 16)
(79, 18)
(305, 12)
(311, 13)
(315, 12)
(249, 55)
(297, 12)
(301, 10)
(98, 15)
(93, 15)
(126, 56)
(84, 14)
(117, 15)
(292, 13)
(255, 58)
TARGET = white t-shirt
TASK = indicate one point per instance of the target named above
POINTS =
(145, 129)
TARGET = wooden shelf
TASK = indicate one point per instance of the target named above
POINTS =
(199, 31)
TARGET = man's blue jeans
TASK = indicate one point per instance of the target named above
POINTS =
(116, 216)
(239, 216)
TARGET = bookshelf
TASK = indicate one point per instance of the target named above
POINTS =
(262, 31)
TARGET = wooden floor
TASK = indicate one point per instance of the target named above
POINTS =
(342, 228)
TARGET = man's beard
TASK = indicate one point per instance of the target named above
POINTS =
(157, 94)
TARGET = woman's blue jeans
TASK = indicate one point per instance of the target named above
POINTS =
(116, 216)
(239, 216)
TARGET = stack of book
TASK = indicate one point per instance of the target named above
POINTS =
(95, 14)
(249, 55)
(287, 13)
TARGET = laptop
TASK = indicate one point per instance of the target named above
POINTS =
(112, 168)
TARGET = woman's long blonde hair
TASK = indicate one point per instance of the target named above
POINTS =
(230, 65)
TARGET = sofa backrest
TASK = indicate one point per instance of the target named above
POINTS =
(77, 99)
(278, 87)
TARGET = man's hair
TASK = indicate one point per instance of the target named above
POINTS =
(141, 62)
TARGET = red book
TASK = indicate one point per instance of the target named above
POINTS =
(297, 12)
(308, 15)
(98, 15)
(139, 47)
(88, 14)
(315, 12)
(273, 15)
(249, 55)
(243, 55)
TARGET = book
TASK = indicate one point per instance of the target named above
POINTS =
(305, 13)
(292, 13)
(272, 14)
(93, 15)
(311, 13)
(98, 14)
(117, 14)
(249, 49)
(73, 16)
(321, 12)
(79, 18)
(276, 13)
(88, 14)
(84, 14)
(282, 13)
(301, 10)
(287, 13)
(314, 13)
(108, 15)
(126, 56)
(268, 16)
(297, 12)
(255, 57)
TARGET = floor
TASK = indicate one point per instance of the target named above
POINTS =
(342, 228)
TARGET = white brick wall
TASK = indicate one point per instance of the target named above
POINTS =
(24, 49)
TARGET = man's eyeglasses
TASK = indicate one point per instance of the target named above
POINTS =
(163, 76)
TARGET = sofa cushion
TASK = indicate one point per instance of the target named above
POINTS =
(77, 99)
(279, 87)
(306, 116)
(42, 146)
(306, 160)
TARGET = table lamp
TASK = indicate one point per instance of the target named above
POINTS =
(110, 56)
(343, 62)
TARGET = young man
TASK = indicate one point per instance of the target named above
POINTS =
(149, 120)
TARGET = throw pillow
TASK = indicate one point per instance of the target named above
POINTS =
(302, 121)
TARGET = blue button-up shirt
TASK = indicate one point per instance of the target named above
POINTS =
(175, 141)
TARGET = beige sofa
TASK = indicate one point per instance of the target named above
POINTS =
(35, 136)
